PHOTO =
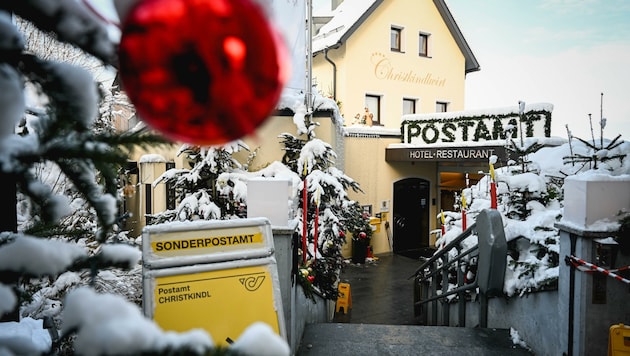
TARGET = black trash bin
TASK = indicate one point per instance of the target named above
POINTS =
(359, 250)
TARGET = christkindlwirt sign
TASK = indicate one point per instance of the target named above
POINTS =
(384, 69)
(476, 126)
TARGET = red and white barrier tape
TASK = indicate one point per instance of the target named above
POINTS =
(575, 261)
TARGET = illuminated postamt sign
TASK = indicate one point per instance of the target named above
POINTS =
(222, 298)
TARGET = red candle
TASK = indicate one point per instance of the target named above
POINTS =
(464, 225)
(304, 211)
(316, 225)
(493, 188)
(315, 234)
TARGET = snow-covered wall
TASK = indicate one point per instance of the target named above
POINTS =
(534, 317)
(298, 309)
(589, 303)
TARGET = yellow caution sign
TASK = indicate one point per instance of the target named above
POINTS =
(222, 298)
(344, 300)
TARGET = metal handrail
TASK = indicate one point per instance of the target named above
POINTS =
(430, 278)
(454, 243)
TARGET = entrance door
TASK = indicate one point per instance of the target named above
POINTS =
(411, 217)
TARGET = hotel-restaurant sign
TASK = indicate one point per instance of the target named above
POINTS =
(460, 136)
(481, 153)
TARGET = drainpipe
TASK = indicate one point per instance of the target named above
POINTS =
(309, 56)
(334, 93)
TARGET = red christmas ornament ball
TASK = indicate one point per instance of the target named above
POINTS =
(203, 72)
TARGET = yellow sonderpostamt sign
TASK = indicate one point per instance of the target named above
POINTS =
(220, 276)
(176, 244)
(179, 243)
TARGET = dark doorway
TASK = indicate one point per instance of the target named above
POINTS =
(411, 217)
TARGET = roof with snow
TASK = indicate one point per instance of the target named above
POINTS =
(514, 110)
(351, 14)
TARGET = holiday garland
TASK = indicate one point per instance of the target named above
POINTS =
(430, 130)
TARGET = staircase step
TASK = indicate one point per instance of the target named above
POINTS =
(373, 339)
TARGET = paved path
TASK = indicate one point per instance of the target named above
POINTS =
(381, 320)
(382, 292)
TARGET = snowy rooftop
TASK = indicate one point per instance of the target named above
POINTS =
(350, 13)
(506, 110)
(527, 141)
(344, 17)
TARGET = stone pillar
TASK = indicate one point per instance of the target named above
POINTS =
(283, 246)
(590, 302)
(271, 198)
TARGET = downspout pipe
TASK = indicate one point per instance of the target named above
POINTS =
(309, 56)
(334, 93)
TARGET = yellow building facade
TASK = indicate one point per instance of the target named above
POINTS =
(393, 57)
(388, 54)
(406, 61)
(375, 60)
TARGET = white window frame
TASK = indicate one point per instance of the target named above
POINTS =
(374, 102)
(415, 105)
(427, 37)
(401, 38)
(439, 103)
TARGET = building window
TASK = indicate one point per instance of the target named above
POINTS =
(373, 106)
(423, 44)
(396, 39)
(441, 106)
(409, 106)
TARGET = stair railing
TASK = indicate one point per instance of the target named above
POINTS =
(444, 274)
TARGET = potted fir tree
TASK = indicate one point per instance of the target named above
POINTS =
(358, 224)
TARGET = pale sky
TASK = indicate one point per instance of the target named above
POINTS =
(563, 52)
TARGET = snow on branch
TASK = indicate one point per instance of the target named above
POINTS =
(71, 20)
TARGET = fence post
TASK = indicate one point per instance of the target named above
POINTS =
(461, 296)
(492, 259)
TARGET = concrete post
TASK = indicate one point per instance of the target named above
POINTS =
(283, 245)
(590, 302)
